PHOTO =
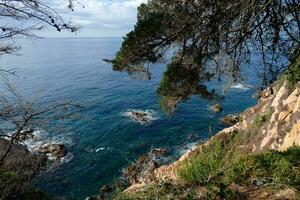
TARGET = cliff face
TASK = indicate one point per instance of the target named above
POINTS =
(273, 124)
(281, 113)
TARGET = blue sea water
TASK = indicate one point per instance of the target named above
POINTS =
(103, 141)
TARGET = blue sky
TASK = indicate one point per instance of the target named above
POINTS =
(99, 18)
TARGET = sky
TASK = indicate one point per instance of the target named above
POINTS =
(98, 18)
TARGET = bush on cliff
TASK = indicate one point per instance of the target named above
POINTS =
(205, 167)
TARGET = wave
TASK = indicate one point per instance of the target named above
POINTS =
(241, 86)
(141, 116)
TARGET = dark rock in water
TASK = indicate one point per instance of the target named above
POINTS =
(26, 134)
(231, 119)
(57, 151)
(140, 116)
(106, 188)
(158, 152)
(191, 136)
(217, 108)
(90, 198)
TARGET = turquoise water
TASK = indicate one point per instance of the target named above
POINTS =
(103, 140)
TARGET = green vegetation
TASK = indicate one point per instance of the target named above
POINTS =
(215, 174)
(216, 171)
(292, 74)
(206, 167)
(262, 119)
(272, 167)
(196, 32)
(15, 186)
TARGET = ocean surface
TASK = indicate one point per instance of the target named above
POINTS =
(104, 140)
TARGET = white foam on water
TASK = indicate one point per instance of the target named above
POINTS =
(67, 158)
(42, 137)
(102, 149)
(187, 148)
(241, 86)
(148, 115)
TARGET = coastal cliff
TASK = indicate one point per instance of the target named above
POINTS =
(257, 157)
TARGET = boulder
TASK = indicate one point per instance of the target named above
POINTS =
(217, 108)
(140, 116)
(57, 151)
(25, 135)
(231, 119)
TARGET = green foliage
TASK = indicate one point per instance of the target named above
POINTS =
(222, 191)
(271, 167)
(293, 72)
(33, 194)
(262, 119)
(204, 168)
(197, 34)
(131, 54)
(8, 175)
(15, 186)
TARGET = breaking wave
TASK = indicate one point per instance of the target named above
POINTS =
(241, 86)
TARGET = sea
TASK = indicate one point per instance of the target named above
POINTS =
(104, 138)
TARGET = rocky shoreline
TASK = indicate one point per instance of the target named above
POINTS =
(274, 124)
(53, 151)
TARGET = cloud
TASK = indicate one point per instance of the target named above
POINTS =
(102, 17)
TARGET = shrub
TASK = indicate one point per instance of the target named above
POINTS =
(262, 119)
(271, 167)
(205, 167)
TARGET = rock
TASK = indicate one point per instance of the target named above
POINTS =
(25, 135)
(21, 159)
(191, 136)
(142, 171)
(266, 93)
(90, 198)
(256, 183)
(57, 151)
(217, 108)
(106, 188)
(140, 116)
(231, 119)
(158, 152)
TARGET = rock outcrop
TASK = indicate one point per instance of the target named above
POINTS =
(56, 151)
(21, 159)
